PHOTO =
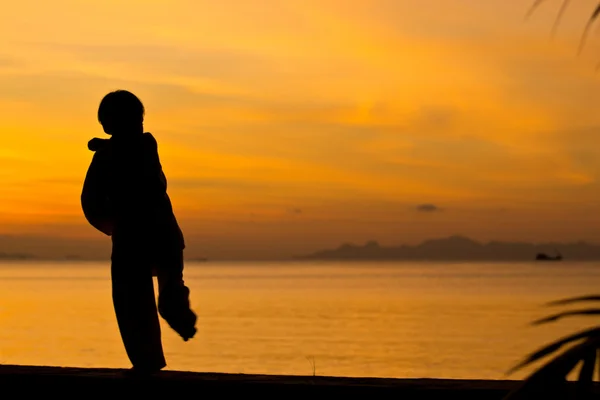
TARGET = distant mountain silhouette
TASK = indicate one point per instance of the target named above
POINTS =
(459, 248)
(15, 256)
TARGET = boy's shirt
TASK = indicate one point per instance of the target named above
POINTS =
(125, 192)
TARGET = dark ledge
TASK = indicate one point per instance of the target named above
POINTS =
(91, 382)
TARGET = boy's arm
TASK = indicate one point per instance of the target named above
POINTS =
(163, 184)
(94, 201)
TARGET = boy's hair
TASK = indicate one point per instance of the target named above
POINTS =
(120, 109)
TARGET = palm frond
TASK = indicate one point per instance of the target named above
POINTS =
(533, 7)
(554, 374)
(573, 300)
(589, 24)
(598, 362)
(586, 375)
(558, 368)
(563, 8)
(561, 12)
(593, 333)
(574, 313)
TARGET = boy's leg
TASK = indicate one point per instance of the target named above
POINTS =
(173, 295)
(135, 308)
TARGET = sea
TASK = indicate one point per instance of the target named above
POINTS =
(359, 319)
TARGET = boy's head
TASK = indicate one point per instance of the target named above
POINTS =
(121, 112)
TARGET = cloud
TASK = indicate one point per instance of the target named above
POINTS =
(435, 118)
(427, 208)
(172, 60)
(77, 93)
(6, 61)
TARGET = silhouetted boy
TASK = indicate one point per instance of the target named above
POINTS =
(125, 196)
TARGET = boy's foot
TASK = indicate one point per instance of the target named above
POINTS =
(141, 372)
(145, 370)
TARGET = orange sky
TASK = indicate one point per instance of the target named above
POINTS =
(287, 126)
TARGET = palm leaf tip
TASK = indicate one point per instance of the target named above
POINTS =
(574, 313)
(572, 300)
(545, 320)
(533, 7)
(561, 12)
(592, 333)
(586, 374)
(546, 351)
(557, 369)
(589, 24)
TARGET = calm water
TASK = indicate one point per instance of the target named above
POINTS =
(387, 320)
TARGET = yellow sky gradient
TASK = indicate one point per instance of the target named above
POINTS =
(287, 126)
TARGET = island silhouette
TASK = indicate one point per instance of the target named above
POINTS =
(458, 248)
(452, 248)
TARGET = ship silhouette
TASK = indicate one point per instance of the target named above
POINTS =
(546, 257)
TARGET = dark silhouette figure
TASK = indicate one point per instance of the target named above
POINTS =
(125, 196)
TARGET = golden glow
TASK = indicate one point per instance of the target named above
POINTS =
(350, 113)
